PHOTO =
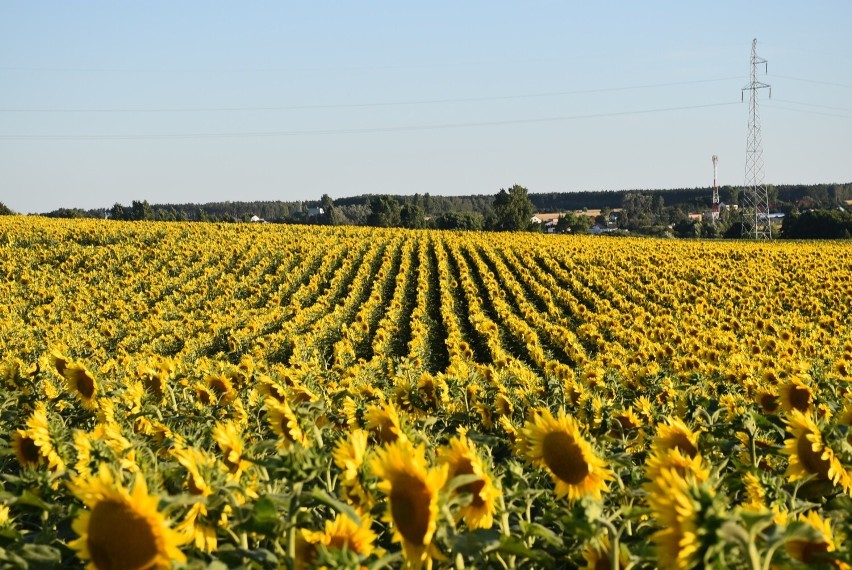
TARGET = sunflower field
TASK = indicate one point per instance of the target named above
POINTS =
(217, 396)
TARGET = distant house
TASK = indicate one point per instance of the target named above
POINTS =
(257, 220)
(549, 221)
(315, 211)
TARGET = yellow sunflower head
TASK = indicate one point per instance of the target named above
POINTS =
(675, 434)
(343, 532)
(199, 465)
(809, 455)
(412, 490)
(814, 551)
(676, 460)
(58, 361)
(223, 387)
(26, 450)
(121, 528)
(349, 454)
(679, 506)
(795, 394)
(82, 384)
(38, 430)
(285, 424)
(384, 423)
(461, 458)
(598, 554)
(230, 441)
(558, 445)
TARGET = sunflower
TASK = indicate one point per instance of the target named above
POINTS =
(82, 384)
(197, 463)
(795, 394)
(285, 424)
(349, 456)
(121, 528)
(412, 491)
(675, 434)
(384, 423)
(558, 445)
(231, 444)
(343, 532)
(38, 430)
(815, 552)
(809, 455)
(193, 530)
(223, 387)
(598, 554)
(461, 457)
(677, 512)
(58, 361)
(26, 451)
(755, 494)
(677, 460)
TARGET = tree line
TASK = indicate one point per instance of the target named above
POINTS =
(650, 212)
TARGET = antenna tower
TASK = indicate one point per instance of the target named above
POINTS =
(755, 213)
(714, 208)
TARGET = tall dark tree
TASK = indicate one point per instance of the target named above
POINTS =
(385, 212)
(411, 216)
(4, 210)
(140, 210)
(513, 210)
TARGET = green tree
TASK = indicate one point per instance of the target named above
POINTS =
(140, 210)
(385, 212)
(330, 215)
(637, 210)
(460, 221)
(412, 216)
(4, 210)
(513, 210)
(573, 223)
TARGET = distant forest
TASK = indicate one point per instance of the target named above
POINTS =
(357, 210)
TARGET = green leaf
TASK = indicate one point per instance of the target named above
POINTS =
(339, 506)
(476, 542)
(516, 547)
(462, 480)
(539, 531)
(264, 517)
(40, 556)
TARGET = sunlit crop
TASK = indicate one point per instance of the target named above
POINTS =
(279, 396)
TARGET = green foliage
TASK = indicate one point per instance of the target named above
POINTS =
(818, 224)
(460, 221)
(385, 212)
(4, 210)
(512, 210)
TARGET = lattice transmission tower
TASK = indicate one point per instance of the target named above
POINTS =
(755, 212)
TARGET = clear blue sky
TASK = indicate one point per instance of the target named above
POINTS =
(199, 101)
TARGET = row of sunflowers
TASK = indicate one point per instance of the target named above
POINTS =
(215, 395)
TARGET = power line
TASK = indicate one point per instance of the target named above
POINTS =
(808, 111)
(844, 85)
(360, 130)
(374, 104)
(814, 105)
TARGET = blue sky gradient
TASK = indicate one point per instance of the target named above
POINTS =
(192, 101)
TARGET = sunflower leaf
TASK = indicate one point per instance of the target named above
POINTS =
(514, 545)
(263, 518)
(40, 556)
(339, 506)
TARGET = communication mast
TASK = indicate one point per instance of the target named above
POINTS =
(714, 208)
(755, 211)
